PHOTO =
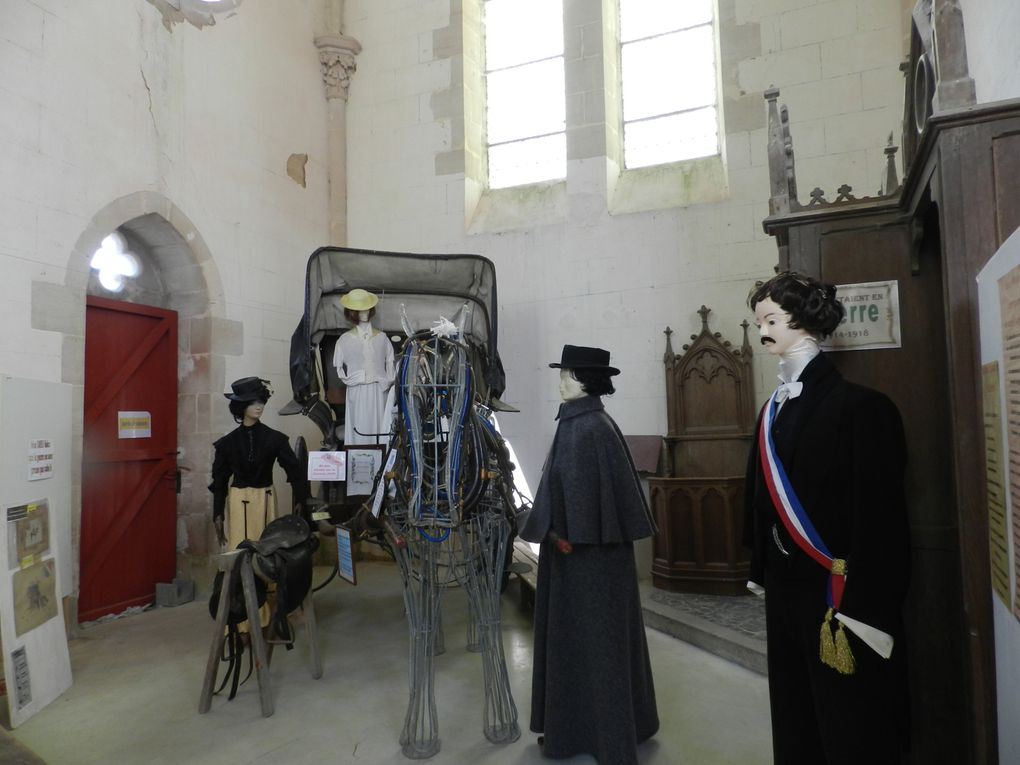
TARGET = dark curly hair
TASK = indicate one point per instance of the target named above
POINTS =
(352, 316)
(595, 382)
(812, 304)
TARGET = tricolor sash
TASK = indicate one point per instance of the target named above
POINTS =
(835, 652)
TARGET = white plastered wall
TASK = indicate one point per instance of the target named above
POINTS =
(105, 109)
(616, 281)
(991, 28)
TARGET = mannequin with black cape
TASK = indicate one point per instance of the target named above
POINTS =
(592, 688)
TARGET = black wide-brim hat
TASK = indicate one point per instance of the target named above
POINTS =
(583, 357)
(250, 389)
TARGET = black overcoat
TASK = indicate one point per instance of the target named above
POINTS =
(592, 689)
(843, 449)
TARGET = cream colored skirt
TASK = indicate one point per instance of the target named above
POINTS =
(249, 511)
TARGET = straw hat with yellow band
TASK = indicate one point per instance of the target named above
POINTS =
(359, 300)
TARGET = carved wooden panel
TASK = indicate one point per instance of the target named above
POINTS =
(699, 548)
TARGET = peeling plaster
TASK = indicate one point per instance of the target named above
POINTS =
(296, 168)
(176, 11)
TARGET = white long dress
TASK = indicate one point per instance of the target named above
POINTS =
(363, 358)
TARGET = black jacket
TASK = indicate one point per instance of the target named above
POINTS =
(247, 456)
(843, 449)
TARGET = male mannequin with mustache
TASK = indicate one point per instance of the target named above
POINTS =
(826, 522)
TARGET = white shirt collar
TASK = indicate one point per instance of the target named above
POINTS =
(792, 363)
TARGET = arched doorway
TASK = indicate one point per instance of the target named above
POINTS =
(181, 277)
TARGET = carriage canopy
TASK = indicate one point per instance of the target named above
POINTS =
(422, 287)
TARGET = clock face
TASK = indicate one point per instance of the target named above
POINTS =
(924, 91)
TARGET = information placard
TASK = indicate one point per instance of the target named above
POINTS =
(345, 555)
(872, 317)
(327, 466)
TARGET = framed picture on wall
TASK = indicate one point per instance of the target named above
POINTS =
(363, 464)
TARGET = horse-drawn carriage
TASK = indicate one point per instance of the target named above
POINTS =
(443, 501)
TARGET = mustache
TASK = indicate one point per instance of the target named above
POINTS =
(766, 340)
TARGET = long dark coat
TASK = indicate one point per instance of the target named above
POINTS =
(592, 689)
(843, 449)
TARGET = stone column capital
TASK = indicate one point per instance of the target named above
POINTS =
(337, 55)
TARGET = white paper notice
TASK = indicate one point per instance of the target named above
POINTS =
(327, 466)
(134, 425)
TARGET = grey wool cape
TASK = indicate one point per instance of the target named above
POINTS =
(592, 689)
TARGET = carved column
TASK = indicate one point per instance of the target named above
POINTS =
(955, 86)
(337, 54)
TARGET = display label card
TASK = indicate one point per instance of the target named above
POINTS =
(134, 425)
(363, 465)
(345, 555)
(327, 466)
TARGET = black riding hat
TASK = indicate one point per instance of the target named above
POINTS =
(250, 389)
(582, 357)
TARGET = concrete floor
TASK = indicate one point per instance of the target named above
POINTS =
(137, 682)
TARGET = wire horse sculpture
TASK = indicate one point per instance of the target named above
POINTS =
(449, 517)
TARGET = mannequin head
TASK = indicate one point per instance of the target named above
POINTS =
(248, 399)
(584, 371)
(570, 386)
(790, 307)
(775, 328)
(247, 412)
(358, 317)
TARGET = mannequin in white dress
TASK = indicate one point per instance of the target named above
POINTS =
(363, 358)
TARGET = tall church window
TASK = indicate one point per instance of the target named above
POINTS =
(525, 104)
(668, 69)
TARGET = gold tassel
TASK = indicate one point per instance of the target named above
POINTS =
(826, 646)
(844, 658)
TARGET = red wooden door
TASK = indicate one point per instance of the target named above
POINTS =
(129, 462)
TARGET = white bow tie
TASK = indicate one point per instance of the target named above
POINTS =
(788, 390)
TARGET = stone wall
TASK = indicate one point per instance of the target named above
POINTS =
(602, 259)
(112, 115)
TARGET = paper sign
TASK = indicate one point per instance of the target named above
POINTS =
(872, 317)
(345, 555)
(40, 459)
(327, 466)
(362, 466)
(134, 425)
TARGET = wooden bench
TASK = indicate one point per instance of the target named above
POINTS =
(525, 565)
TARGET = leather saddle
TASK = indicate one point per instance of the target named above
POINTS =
(283, 554)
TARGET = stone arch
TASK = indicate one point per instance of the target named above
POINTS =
(190, 284)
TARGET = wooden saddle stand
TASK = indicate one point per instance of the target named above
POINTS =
(261, 647)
